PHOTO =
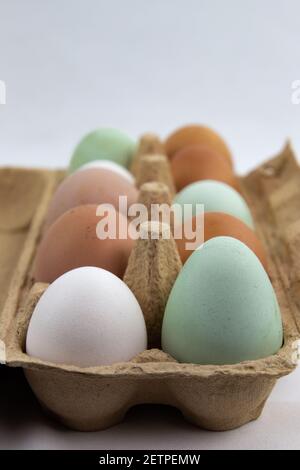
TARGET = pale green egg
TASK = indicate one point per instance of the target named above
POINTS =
(103, 144)
(222, 308)
(216, 197)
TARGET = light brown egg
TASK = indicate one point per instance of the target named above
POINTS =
(196, 135)
(218, 224)
(199, 162)
(72, 242)
(91, 186)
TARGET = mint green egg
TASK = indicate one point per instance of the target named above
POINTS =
(103, 144)
(222, 308)
(216, 197)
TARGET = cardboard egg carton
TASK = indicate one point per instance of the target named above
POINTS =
(213, 397)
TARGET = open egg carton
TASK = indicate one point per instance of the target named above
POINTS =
(218, 397)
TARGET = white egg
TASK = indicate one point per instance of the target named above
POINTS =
(87, 317)
(108, 165)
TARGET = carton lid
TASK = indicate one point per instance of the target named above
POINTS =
(273, 194)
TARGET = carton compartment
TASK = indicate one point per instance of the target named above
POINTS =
(213, 397)
(17, 209)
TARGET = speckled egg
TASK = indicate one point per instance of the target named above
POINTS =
(72, 241)
(222, 308)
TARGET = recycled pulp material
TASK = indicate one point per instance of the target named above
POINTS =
(213, 397)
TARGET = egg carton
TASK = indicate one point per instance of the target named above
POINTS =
(215, 397)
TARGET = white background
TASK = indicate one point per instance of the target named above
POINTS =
(71, 66)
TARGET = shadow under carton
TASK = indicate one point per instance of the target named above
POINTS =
(213, 397)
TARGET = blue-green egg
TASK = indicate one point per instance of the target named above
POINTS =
(103, 144)
(222, 308)
(216, 197)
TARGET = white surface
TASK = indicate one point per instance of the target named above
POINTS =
(24, 426)
(138, 65)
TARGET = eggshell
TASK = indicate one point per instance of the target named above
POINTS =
(217, 224)
(87, 317)
(103, 144)
(199, 162)
(216, 197)
(196, 135)
(222, 308)
(108, 165)
(72, 242)
(92, 186)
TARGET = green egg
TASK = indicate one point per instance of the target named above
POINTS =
(216, 197)
(103, 144)
(222, 308)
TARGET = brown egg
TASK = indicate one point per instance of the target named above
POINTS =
(198, 162)
(196, 135)
(72, 242)
(91, 186)
(218, 224)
